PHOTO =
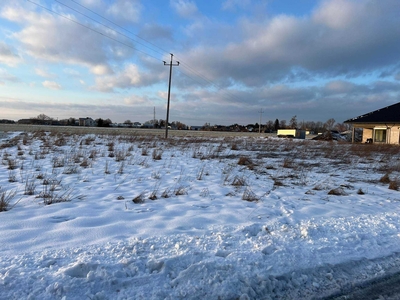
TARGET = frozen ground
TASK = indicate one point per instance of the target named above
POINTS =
(228, 218)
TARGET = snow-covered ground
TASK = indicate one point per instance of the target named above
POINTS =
(228, 218)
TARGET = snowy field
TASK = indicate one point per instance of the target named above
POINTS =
(92, 216)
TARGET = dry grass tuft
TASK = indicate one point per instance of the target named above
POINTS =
(5, 199)
(277, 182)
(245, 161)
(288, 162)
(11, 176)
(249, 195)
(138, 199)
(205, 192)
(12, 164)
(180, 190)
(30, 187)
(234, 146)
(385, 178)
(51, 197)
(319, 187)
(239, 181)
(166, 193)
(145, 151)
(157, 154)
(394, 185)
(337, 192)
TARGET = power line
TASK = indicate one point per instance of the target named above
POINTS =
(94, 30)
(192, 70)
(209, 81)
(108, 20)
(124, 35)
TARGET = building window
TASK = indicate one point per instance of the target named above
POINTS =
(380, 135)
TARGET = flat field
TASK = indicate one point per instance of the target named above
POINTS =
(125, 214)
(125, 131)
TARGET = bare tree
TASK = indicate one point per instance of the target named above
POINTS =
(341, 127)
(43, 117)
(293, 122)
(269, 126)
(161, 123)
(329, 124)
(107, 122)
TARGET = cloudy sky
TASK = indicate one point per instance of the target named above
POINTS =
(104, 59)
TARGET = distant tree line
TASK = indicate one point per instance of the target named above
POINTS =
(5, 121)
(273, 126)
(161, 124)
(268, 126)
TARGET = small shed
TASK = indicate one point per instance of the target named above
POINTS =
(292, 133)
(379, 126)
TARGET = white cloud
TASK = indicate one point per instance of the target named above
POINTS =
(337, 14)
(44, 73)
(52, 85)
(12, 12)
(71, 72)
(101, 69)
(8, 55)
(340, 86)
(184, 8)
(156, 32)
(6, 76)
(235, 4)
(127, 78)
(51, 38)
(272, 50)
(162, 94)
(126, 10)
(135, 100)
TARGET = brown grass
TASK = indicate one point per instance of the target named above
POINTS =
(249, 195)
(385, 178)
(5, 199)
(138, 199)
(337, 192)
(394, 185)
(244, 161)
(239, 181)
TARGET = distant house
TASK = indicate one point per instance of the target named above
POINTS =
(379, 126)
(89, 122)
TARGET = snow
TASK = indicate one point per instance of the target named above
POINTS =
(198, 239)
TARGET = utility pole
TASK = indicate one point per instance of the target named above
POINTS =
(259, 125)
(169, 90)
(154, 117)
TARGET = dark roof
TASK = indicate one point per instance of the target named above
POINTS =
(388, 114)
